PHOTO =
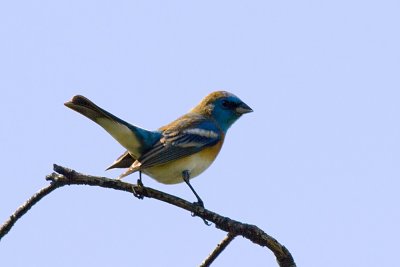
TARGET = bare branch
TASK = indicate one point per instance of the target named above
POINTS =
(218, 250)
(7, 225)
(65, 176)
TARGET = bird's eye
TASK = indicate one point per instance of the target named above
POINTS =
(225, 104)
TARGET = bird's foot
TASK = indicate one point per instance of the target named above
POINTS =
(139, 193)
(207, 222)
(200, 205)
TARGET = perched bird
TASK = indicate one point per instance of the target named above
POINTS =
(177, 151)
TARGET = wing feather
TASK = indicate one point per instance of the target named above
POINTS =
(176, 144)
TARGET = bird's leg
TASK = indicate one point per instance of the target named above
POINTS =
(186, 176)
(139, 181)
(140, 184)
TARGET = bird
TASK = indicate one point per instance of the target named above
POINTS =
(176, 152)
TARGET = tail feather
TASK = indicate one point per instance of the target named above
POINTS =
(133, 138)
(124, 161)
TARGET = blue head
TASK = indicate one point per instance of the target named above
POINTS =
(224, 107)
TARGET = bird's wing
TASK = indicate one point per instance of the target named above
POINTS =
(178, 142)
(133, 138)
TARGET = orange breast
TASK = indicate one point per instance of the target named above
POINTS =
(171, 172)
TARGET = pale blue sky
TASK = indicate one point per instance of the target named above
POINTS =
(316, 165)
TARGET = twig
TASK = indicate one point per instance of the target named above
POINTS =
(218, 250)
(65, 176)
(7, 225)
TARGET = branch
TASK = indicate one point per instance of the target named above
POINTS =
(65, 176)
(6, 227)
(218, 250)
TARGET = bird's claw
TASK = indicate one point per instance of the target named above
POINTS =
(197, 204)
(207, 222)
(200, 204)
(139, 182)
(135, 192)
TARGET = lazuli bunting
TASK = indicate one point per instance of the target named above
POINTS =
(177, 151)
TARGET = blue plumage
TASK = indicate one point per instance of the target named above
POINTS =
(178, 151)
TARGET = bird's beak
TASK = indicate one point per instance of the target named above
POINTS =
(243, 108)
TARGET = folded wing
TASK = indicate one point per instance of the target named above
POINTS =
(176, 144)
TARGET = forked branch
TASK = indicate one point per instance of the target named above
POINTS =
(64, 176)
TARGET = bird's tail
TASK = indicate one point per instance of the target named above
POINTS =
(133, 138)
(124, 161)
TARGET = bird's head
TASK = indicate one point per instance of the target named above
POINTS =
(224, 107)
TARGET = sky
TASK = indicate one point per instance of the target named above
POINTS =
(316, 165)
